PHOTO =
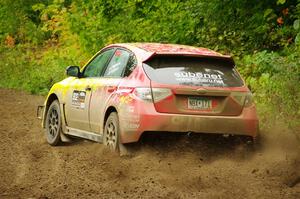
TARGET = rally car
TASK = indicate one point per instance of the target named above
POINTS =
(129, 89)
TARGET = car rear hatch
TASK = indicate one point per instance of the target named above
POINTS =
(195, 85)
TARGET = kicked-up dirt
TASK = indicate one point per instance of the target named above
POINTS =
(164, 166)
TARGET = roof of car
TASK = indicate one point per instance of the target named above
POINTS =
(150, 49)
(173, 48)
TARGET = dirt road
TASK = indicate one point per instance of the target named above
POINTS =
(196, 166)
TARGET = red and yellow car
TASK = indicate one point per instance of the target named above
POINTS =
(128, 89)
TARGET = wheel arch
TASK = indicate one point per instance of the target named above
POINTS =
(108, 111)
(50, 99)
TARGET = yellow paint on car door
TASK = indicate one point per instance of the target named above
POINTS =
(77, 103)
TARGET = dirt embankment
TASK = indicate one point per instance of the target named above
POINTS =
(196, 166)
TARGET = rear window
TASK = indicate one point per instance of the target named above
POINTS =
(192, 71)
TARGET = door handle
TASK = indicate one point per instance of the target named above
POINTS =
(88, 88)
(111, 89)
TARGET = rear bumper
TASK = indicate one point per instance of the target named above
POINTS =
(244, 124)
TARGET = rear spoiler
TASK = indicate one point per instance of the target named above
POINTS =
(226, 58)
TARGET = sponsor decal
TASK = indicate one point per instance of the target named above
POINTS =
(199, 77)
(78, 99)
(118, 53)
(132, 126)
(125, 99)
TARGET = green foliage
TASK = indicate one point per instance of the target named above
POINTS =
(238, 25)
(230, 26)
(36, 69)
(19, 20)
(274, 79)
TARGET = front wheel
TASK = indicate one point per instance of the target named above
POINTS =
(53, 124)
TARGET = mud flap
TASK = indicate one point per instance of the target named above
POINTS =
(124, 151)
(39, 112)
(64, 138)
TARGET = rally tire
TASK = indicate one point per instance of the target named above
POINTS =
(53, 124)
(111, 136)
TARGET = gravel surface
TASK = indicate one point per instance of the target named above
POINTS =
(161, 166)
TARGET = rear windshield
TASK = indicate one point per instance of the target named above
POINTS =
(192, 71)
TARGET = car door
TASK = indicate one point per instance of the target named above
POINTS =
(80, 91)
(110, 80)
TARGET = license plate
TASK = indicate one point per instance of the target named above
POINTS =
(199, 103)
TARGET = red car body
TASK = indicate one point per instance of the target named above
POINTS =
(161, 93)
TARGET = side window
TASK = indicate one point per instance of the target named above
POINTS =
(117, 64)
(96, 66)
(132, 63)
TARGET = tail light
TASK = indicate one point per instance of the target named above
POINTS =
(143, 94)
(248, 100)
(152, 95)
(244, 99)
(160, 93)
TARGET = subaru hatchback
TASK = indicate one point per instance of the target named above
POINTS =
(128, 89)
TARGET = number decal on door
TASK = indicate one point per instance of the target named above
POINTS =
(78, 99)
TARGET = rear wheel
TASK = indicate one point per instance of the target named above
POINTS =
(111, 136)
(53, 124)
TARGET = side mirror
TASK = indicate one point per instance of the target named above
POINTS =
(73, 71)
